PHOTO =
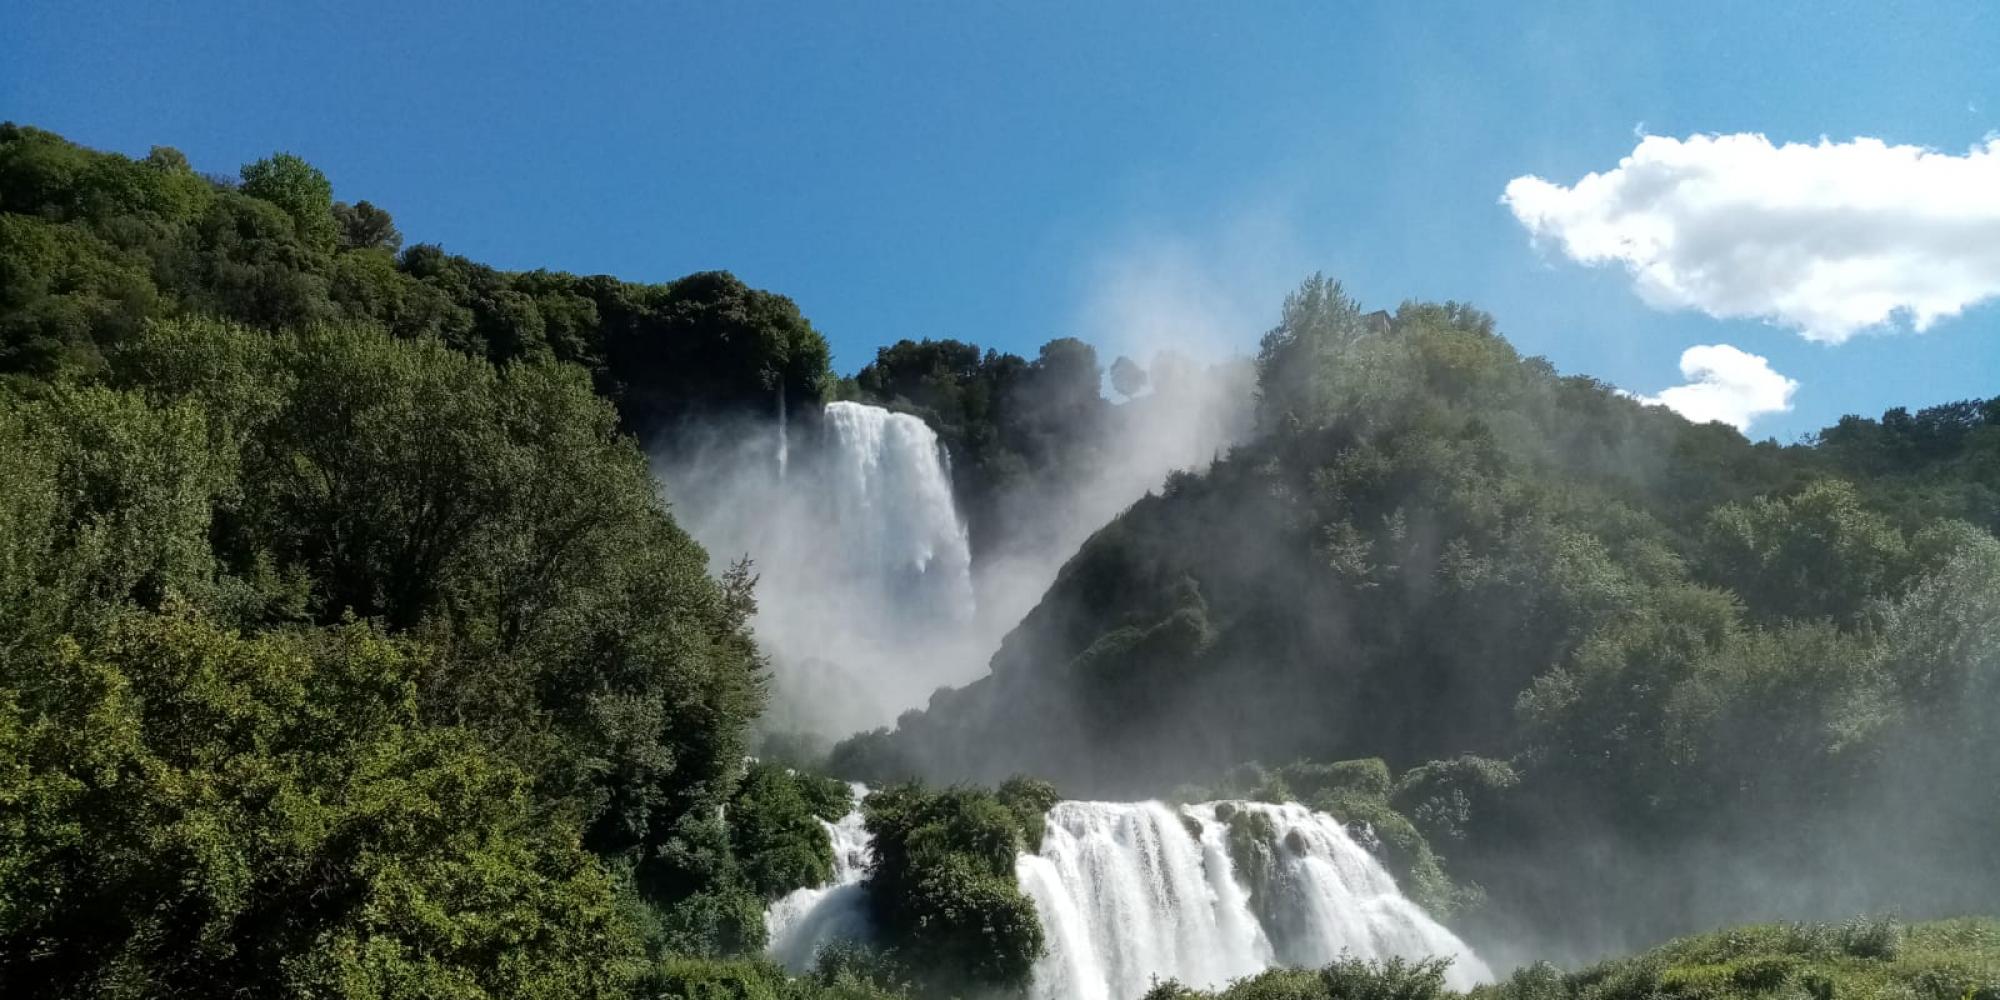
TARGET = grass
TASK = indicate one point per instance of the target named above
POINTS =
(1866, 959)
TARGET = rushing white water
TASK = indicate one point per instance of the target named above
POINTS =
(1130, 892)
(1126, 893)
(805, 920)
(891, 501)
(784, 437)
(864, 592)
(1134, 891)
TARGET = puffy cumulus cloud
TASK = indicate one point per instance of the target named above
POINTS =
(1831, 238)
(1727, 385)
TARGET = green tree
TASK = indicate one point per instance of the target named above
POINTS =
(775, 828)
(1818, 552)
(195, 811)
(942, 886)
(301, 191)
(1127, 377)
(366, 227)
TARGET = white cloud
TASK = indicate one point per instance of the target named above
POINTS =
(1830, 239)
(1727, 385)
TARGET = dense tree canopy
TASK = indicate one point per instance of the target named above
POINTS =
(93, 244)
(359, 666)
(1666, 635)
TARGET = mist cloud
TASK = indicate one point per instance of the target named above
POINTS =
(1830, 239)
(1206, 294)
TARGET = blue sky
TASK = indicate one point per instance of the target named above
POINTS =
(1009, 173)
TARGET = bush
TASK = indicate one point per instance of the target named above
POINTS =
(1346, 979)
(942, 885)
(776, 831)
(1030, 800)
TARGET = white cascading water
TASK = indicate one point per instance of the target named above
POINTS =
(805, 920)
(864, 593)
(784, 437)
(1131, 892)
(891, 499)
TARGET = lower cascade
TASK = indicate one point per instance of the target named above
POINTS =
(1131, 892)
(797, 925)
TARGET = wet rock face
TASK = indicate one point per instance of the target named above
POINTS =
(1192, 825)
(1295, 842)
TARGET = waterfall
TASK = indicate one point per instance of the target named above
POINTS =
(1132, 892)
(864, 594)
(1126, 893)
(891, 501)
(805, 920)
(784, 437)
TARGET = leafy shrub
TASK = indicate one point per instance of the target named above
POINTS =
(1345, 979)
(942, 885)
(1030, 800)
(776, 831)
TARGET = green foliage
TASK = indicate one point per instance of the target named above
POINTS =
(94, 244)
(843, 974)
(1448, 799)
(942, 885)
(708, 337)
(775, 831)
(301, 191)
(1127, 378)
(853, 972)
(1596, 639)
(1946, 960)
(366, 227)
(351, 666)
(1358, 793)
(699, 979)
(1347, 979)
(1818, 552)
(1030, 800)
(202, 812)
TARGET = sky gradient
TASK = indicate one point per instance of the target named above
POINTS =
(1138, 175)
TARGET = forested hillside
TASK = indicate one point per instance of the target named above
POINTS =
(93, 245)
(348, 648)
(1609, 653)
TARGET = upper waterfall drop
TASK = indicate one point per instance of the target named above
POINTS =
(784, 436)
(892, 499)
(865, 599)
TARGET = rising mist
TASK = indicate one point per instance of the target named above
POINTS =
(869, 594)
